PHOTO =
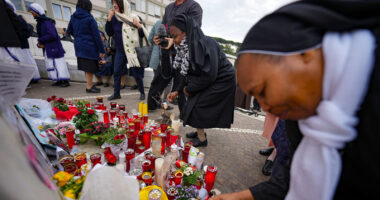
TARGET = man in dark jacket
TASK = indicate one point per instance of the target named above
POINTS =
(163, 74)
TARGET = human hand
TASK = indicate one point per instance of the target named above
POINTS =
(223, 197)
(111, 13)
(172, 96)
(136, 23)
(156, 40)
(102, 62)
(170, 43)
(101, 55)
(185, 92)
(39, 45)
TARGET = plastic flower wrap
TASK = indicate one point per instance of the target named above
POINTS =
(64, 127)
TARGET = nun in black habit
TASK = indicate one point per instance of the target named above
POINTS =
(318, 63)
(205, 80)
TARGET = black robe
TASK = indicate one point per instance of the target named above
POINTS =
(10, 24)
(212, 93)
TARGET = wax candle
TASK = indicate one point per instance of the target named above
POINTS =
(145, 109)
(141, 105)
(175, 125)
(158, 163)
(210, 177)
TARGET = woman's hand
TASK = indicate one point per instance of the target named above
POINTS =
(136, 23)
(101, 55)
(39, 45)
(172, 96)
(242, 195)
(102, 62)
(156, 40)
(111, 13)
(185, 92)
(170, 43)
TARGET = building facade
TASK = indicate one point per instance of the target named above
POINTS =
(149, 10)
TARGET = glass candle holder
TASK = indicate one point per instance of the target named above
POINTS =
(135, 115)
(178, 177)
(173, 138)
(163, 127)
(137, 125)
(99, 99)
(122, 107)
(70, 138)
(168, 135)
(146, 165)
(146, 119)
(187, 147)
(138, 144)
(96, 158)
(113, 104)
(140, 149)
(125, 113)
(97, 106)
(81, 159)
(156, 145)
(136, 172)
(152, 158)
(185, 156)
(163, 142)
(129, 155)
(172, 193)
(131, 139)
(210, 177)
(66, 159)
(147, 178)
(106, 118)
(70, 168)
(147, 137)
(112, 114)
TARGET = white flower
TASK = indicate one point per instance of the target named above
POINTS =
(188, 171)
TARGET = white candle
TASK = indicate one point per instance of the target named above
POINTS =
(158, 174)
(175, 125)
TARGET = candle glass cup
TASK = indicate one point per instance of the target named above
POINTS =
(147, 137)
(152, 159)
(81, 159)
(112, 114)
(163, 142)
(210, 177)
(147, 178)
(99, 99)
(96, 158)
(178, 178)
(113, 104)
(146, 165)
(185, 156)
(106, 118)
(129, 155)
(122, 107)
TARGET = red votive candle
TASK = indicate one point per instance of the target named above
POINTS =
(147, 178)
(122, 107)
(81, 159)
(141, 148)
(163, 142)
(137, 125)
(95, 158)
(185, 156)
(163, 127)
(125, 113)
(178, 178)
(173, 139)
(106, 117)
(147, 138)
(129, 155)
(187, 147)
(70, 168)
(210, 177)
(112, 113)
(99, 99)
(168, 135)
(131, 139)
(135, 116)
(146, 119)
(113, 104)
(70, 138)
(150, 156)
(146, 165)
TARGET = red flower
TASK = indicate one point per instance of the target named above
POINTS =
(48, 99)
(53, 97)
(60, 100)
(116, 137)
(90, 111)
(99, 138)
(122, 137)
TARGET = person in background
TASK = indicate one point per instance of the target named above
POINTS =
(324, 79)
(204, 75)
(65, 36)
(154, 96)
(26, 31)
(106, 64)
(121, 17)
(49, 41)
(88, 45)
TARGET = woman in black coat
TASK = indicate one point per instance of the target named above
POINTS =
(205, 80)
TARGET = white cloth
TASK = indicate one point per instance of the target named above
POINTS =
(57, 69)
(35, 7)
(130, 34)
(317, 164)
(28, 58)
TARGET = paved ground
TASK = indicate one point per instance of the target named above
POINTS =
(234, 151)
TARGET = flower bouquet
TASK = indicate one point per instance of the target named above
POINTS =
(186, 193)
(115, 139)
(95, 132)
(70, 187)
(62, 111)
(85, 116)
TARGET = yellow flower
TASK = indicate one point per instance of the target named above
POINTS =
(69, 194)
(62, 177)
(40, 127)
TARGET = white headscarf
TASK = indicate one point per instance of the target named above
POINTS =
(35, 7)
(317, 164)
(130, 34)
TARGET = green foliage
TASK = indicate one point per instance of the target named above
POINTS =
(85, 116)
(114, 136)
(226, 45)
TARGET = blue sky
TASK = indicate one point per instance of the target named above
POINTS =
(231, 19)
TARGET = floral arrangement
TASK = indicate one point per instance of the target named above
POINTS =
(59, 103)
(85, 116)
(97, 128)
(70, 187)
(187, 192)
(114, 136)
(191, 176)
(62, 128)
(95, 132)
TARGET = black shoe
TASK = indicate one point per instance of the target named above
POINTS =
(197, 143)
(99, 83)
(266, 152)
(267, 168)
(193, 135)
(122, 87)
(65, 84)
(142, 97)
(134, 87)
(58, 83)
(93, 90)
(113, 97)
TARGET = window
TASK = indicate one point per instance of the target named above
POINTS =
(18, 4)
(151, 8)
(57, 11)
(66, 13)
(141, 6)
(133, 6)
(157, 11)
